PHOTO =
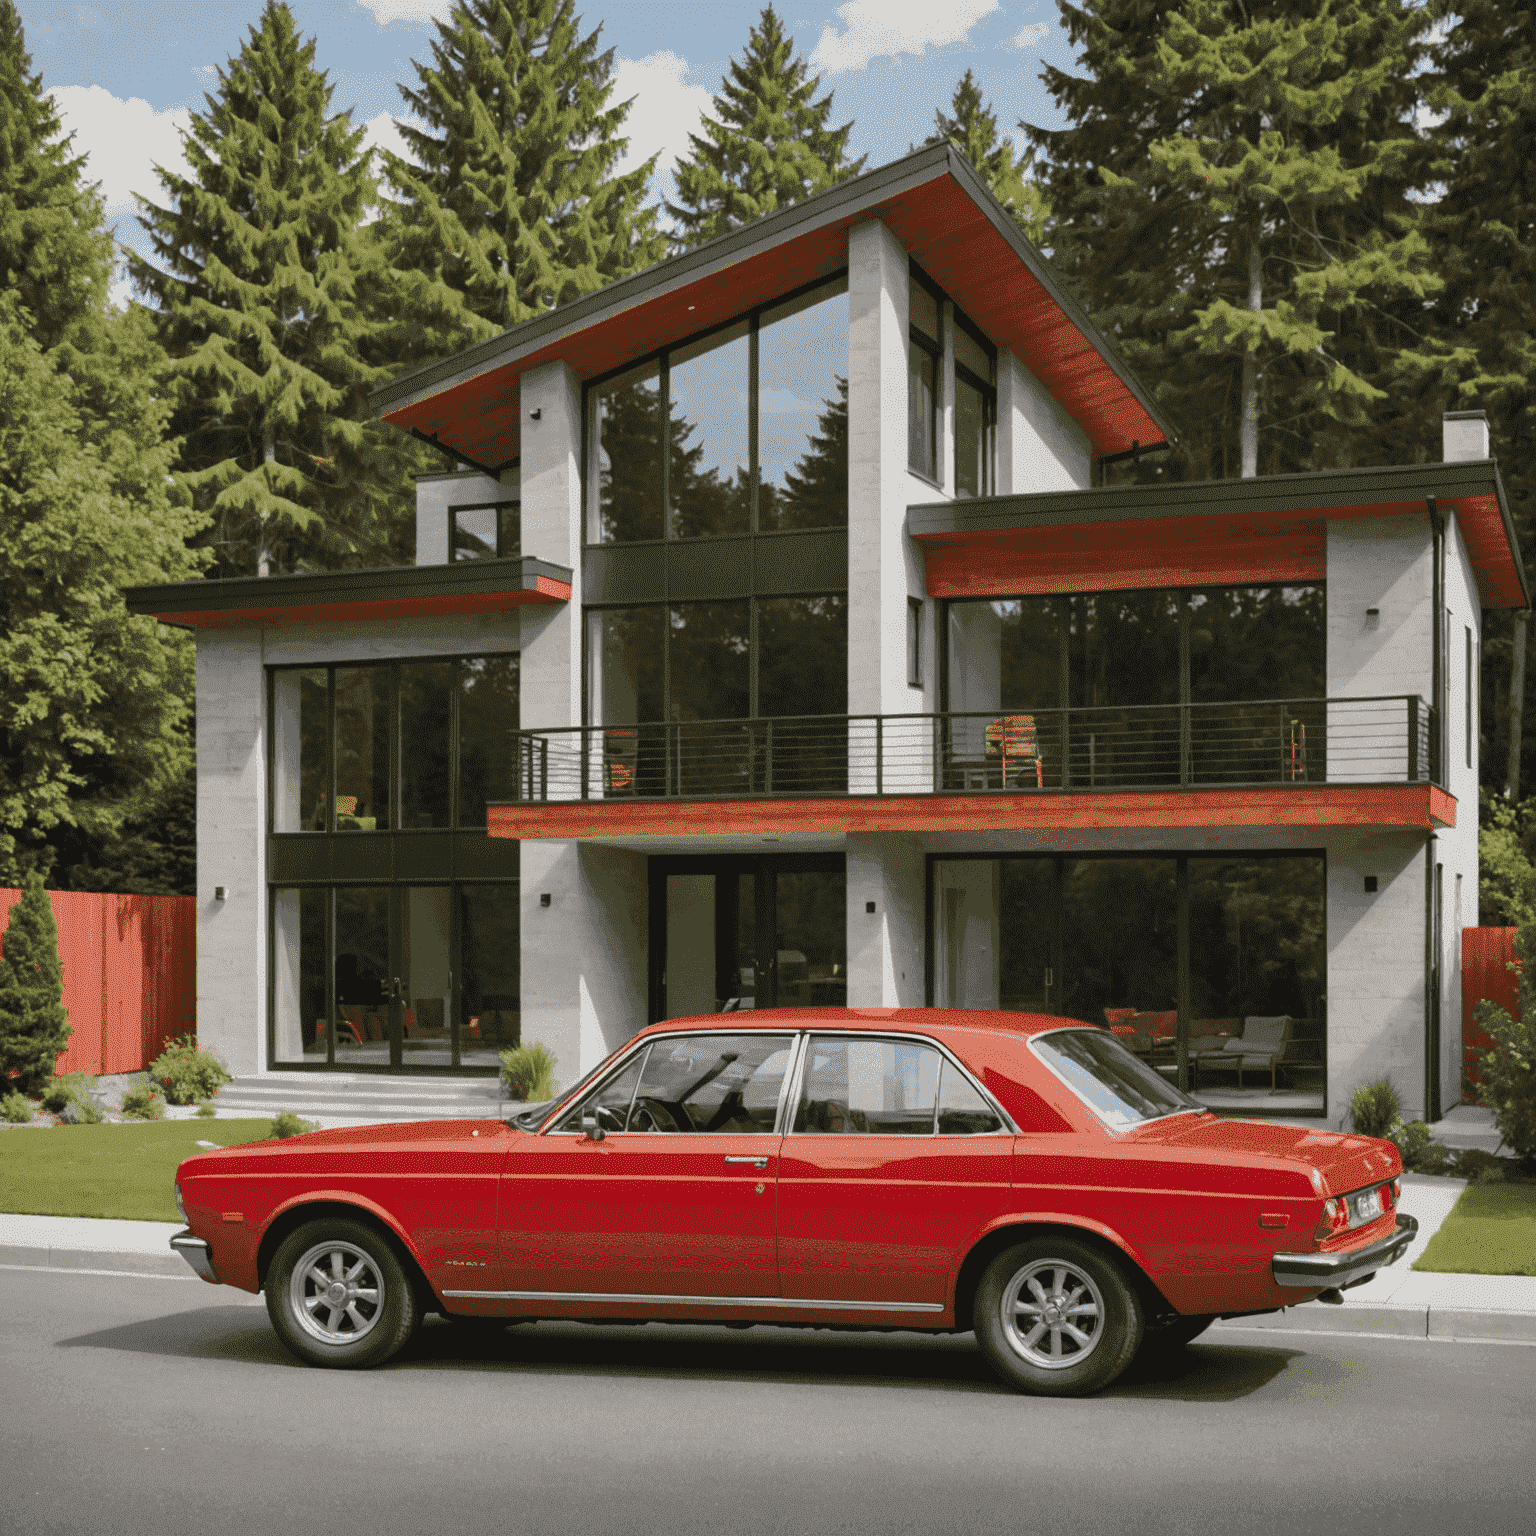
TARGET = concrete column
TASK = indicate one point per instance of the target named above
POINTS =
(585, 954)
(1039, 446)
(885, 947)
(878, 548)
(231, 848)
(552, 530)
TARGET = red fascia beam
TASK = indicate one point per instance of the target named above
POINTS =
(1321, 805)
(545, 590)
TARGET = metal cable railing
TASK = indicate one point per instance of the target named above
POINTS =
(1152, 746)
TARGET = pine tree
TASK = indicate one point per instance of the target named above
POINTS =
(768, 145)
(1232, 202)
(1479, 350)
(512, 205)
(55, 256)
(972, 125)
(268, 300)
(33, 1025)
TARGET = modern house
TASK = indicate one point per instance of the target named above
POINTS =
(779, 641)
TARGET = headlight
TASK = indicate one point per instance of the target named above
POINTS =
(181, 1210)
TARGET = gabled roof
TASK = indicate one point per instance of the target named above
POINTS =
(933, 202)
(1263, 521)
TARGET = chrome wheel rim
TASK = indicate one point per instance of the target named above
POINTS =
(1052, 1314)
(336, 1294)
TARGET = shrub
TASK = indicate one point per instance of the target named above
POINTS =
(143, 1102)
(1375, 1108)
(205, 1110)
(1509, 1069)
(1420, 1153)
(187, 1074)
(16, 1108)
(82, 1109)
(33, 1025)
(528, 1072)
(66, 1090)
(285, 1124)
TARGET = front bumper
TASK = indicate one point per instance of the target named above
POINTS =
(197, 1253)
(1319, 1271)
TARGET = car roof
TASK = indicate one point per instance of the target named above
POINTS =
(873, 1020)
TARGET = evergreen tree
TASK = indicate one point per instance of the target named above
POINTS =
(33, 1024)
(816, 490)
(768, 145)
(1232, 201)
(972, 125)
(267, 300)
(55, 256)
(511, 206)
(1479, 347)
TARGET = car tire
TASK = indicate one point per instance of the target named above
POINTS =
(366, 1312)
(1057, 1317)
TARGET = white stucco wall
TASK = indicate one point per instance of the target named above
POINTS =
(1039, 446)
(435, 493)
(886, 946)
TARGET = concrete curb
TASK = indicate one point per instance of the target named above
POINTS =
(109, 1261)
(1466, 1324)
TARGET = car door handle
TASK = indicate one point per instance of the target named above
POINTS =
(757, 1162)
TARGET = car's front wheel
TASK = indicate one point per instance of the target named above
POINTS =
(1055, 1316)
(338, 1295)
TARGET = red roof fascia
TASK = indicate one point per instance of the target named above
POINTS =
(1314, 805)
(545, 590)
(943, 229)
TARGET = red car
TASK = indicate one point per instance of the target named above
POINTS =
(1023, 1176)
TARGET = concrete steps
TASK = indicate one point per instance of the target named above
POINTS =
(362, 1099)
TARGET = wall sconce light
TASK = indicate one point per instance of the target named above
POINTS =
(219, 893)
(1370, 885)
(1373, 618)
(869, 906)
(536, 413)
(544, 899)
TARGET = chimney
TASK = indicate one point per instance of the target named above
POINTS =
(1463, 435)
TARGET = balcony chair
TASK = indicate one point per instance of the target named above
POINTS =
(621, 752)
(1013, 742)
(1262, 1043)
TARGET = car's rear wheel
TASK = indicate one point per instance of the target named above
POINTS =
(1057, 1317)
(338, 1295)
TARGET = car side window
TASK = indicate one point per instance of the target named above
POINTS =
(612, 1101)
(962, 1109)
(714, 1084)
(868, 1087)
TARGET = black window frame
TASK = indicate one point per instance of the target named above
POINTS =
(661, 358)
(455, 764)
(915, 607)
(506, 549)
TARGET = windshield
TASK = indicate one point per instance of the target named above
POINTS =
(1120, 1089)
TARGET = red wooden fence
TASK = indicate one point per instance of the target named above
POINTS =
(130, 980)
(1486, 954)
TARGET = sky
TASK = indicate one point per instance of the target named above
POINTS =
(126, 76)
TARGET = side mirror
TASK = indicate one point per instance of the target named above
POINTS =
(589, 1126)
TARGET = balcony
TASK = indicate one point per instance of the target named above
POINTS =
(1302, 761)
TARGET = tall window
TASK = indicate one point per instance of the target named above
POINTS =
(406, 745)
(975, 415)
(925, 354)
(743, 430)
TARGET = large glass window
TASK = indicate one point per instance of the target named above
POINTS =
(490, 922)
(299, 980)
(742, 430)
(925, 353)
(1098, 939)
(975, 417)
(388, 733)
(485, 531)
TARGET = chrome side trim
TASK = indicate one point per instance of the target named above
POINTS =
(642, 1298)
(197, 1253)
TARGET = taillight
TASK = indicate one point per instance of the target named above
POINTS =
(1343, 1213)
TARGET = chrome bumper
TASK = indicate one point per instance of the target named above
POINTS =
(198, 1254)
(1319, 1271)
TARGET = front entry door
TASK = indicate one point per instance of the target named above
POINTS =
(677, 1199)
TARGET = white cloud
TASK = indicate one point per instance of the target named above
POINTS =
(1027, 36)
(665, 111)
(420, 12)
(122, 141)
(380, 133)
(890, 29)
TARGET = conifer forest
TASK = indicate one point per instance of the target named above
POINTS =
(1308, 226)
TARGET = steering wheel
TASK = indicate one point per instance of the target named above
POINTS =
(652, 1115)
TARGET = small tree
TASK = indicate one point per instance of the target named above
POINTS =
(1509, 1069)
(33, 1025)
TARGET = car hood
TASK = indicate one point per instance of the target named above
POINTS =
(360, 1138)
(1344, 1161)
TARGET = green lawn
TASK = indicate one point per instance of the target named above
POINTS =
(127, 1171)
(1491, 1231)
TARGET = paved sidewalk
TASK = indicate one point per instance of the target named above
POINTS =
(1396, 1301)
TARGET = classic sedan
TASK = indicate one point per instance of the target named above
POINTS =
(1023, 1176)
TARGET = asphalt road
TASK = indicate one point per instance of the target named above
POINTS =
(167, 1406)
